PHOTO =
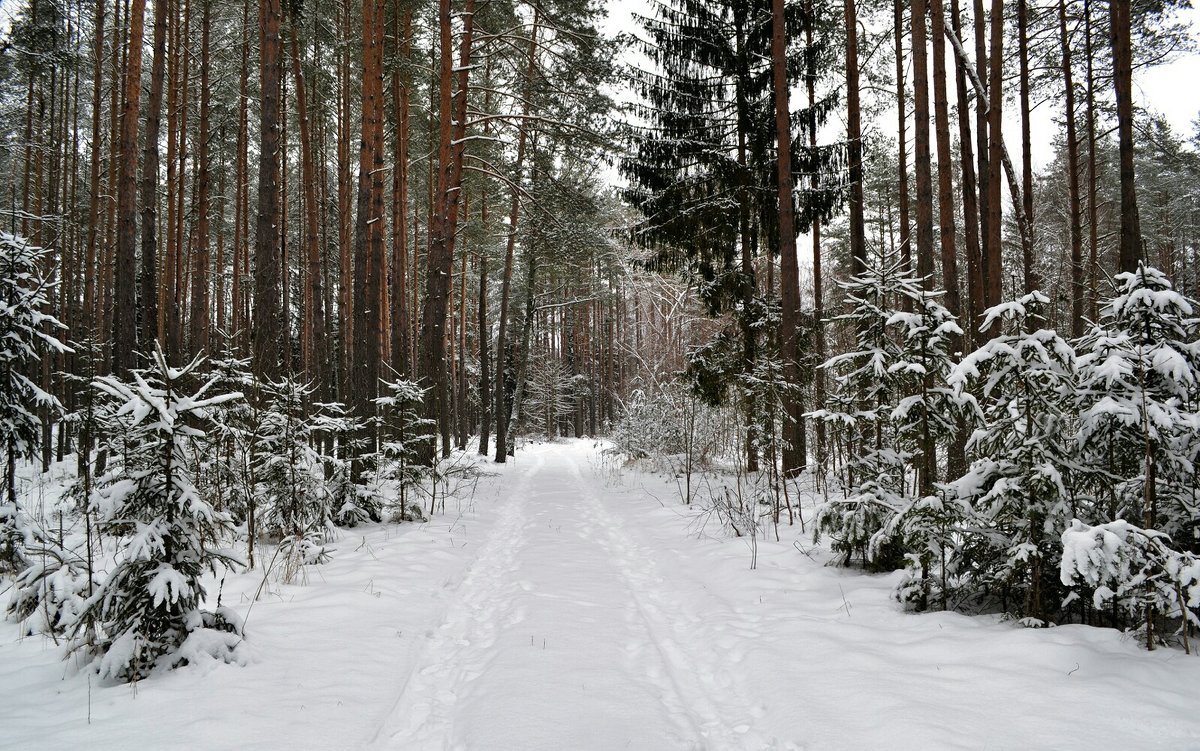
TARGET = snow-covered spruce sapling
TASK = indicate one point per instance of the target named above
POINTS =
(340, 438)
(26, 334)
(1138, 401)
(149, 611)
(884, 409)
(1018, 492)
(402, 434)
(924, 417)
(290, 482)
(227, 467)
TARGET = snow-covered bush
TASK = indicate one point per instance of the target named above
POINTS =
(1137, 568)
(26, 334)
(151, 604)
(341, 436)
(49, 594)
(668, 419)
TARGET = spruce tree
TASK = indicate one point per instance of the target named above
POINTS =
(1020, 489)
(26, 335)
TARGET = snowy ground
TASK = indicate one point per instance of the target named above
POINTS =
(565, 607)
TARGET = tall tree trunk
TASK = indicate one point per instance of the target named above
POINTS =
(969, 189)
(370, 217)
(858, 231)
(1093, 174)
(815, 231)
(268, 332)
(993, 250)
(789, 270)
(1073, 203)
(983, 151)
(922, 153)
(956, 446)
(314, 347)
(241, 189)
(1130, 248)
(506, 280)
(345, 316)
(200, 285)
(124, 331)
(941, 114)
(444, 222)
(1029, 273)
(149, 267)
(401, 92)
(90, 272)
(902, 138)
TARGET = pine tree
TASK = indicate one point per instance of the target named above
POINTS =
(150, 609)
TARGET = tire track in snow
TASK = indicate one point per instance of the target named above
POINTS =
(713, 696)
(456, 651)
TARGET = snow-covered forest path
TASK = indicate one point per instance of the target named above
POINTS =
(563, 632)
(573, 604)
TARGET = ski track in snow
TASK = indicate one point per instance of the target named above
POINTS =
(703, 678)
(671, 651)
(422, 713)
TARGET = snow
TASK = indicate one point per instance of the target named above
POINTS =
(571, 604)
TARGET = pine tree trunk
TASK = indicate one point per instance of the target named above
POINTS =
(1030, 276)
(370, 219)
(90, 271)
(149, 268)
(506, 280)
(858, 231)
(1093, 174)
(268, 333)
(200, 283)
(993, 249)
(1073, 203)
(401, 91)
(922, 153)
(124, 331)
(314, 346)
(789, 271)
(902, 139)
(970, 196)
(1131, 252)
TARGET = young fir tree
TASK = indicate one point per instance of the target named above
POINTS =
(1139, 402)
(403, 433)
(924, 418)
(26, 335)
(1020, 488)
(290, 480)
(1139, 398)
(866, 388)
(149, 611)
